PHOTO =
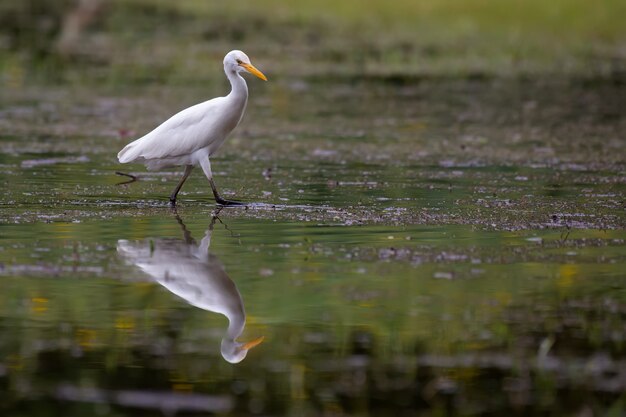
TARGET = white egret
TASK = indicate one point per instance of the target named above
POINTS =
(197, 276)
(193, 135)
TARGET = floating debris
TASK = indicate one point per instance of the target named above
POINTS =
(31, 163)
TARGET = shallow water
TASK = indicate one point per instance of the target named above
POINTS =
(419, 249)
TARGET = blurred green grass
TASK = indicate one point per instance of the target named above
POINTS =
(137, 41)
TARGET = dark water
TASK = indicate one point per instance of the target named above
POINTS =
(437, 249)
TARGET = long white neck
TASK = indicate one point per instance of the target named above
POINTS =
(236, 324)
(239, 90)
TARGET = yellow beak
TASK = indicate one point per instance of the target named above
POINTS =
(257, 341)
(252, 70)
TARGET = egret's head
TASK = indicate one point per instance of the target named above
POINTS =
(237, 61)
(235, 352)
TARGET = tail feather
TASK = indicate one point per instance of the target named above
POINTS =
(129, 153)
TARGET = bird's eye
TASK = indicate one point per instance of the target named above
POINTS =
(239, 61)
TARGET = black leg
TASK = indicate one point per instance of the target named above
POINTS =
(188, 169)
(219, 200)
(131, 180)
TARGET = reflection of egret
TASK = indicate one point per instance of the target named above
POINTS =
(191, 272)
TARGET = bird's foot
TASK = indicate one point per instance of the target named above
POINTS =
(131, 180)
(172, 202)
(222, 202)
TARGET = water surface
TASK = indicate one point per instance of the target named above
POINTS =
(435, 248)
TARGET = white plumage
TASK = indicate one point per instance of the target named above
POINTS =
(193, 135)
(192, 273)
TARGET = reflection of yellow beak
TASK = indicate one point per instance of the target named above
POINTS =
(252, 70)
(255, 342)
